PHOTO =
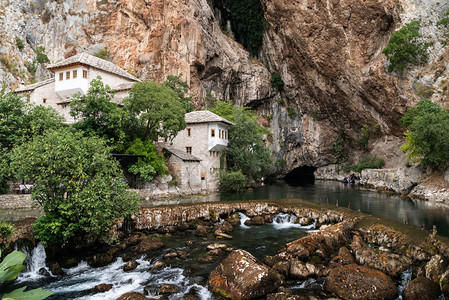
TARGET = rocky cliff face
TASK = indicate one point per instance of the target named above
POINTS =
(328, 54)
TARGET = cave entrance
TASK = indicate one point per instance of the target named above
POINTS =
(301, 176)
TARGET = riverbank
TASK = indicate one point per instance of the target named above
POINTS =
(341, 241)
(413, 182)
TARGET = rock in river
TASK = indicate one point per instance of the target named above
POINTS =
(148, 244)
(359, 282)
(242, 276)
(421, 288)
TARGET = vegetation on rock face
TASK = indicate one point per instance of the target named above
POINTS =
(78, 185)
(10, 267)
(340, 148)
(156, 110)
(427, 134)
(246, 151)
(19, 43)
(277, 82)
(445, 20)
(41, 57)
(405, 47)
(103, 54)
(247, 22)
(366, 163)
(6, 229)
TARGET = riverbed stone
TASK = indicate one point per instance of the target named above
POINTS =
(148, 244)
(222, 235)
(444, 283)
(267, 219)
(234, 219)
(384, 261)
(207, 259)
(216, 246)
(436, 267)
(55, 269)
(255, 221)
(168, 289)
(201, 230)
(101, 288)
(344, 257)
(224, 226)
(360, 282)
(421, 288)
(100, 260)
(130, 265)
(43, 272)
(242, 276)
(132, 296)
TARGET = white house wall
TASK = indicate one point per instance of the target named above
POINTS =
(217, 143)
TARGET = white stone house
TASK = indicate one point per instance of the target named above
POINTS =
(73, 75)
(196, 151)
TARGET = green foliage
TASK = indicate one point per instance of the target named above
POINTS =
(10, 268)
(366, 163)
(277, 82)
(291, 112)
(340, 147)
(151, 164)
(405, 48)
(103, 54)
(427, 135)
(98, 115)
(155, 110)
(180, 88)
(364, 137)
(41, 57)
(78, 185)
(316, 115)
(246, 150)
(424, 91)
(19, 43)
(445, 20)
(247, 23)
(232, 181)
(6, 229)
(32, 67)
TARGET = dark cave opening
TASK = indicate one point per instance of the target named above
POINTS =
(301, 176)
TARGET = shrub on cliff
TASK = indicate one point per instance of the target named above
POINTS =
(427, 134)
(78, 185)
(405, 47)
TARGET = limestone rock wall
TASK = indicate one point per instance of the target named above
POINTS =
(328, 54)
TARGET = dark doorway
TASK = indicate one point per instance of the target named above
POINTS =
(300, 176)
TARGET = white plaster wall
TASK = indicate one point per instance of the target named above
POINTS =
(217, 143)
(108, 78)
(66, 88)
(187, 174)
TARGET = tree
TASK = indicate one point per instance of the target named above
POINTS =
(78, 185)
(246, 150)
(10, 268)
(98, 115)
(151, 164)
(427, 134)
(156, 109)
(404, 47)
(180, 88)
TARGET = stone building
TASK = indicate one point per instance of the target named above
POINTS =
(196, 151)
(73, 75)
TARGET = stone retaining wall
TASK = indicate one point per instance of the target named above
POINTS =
(12, 201)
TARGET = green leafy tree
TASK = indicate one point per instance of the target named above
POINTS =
(156, 111)
(78, 185)
(98, 114)
(10, 268)
(427, 134)
(405, 48)
(151, 164)
(180, 88)
(246, 151)
(247, 23)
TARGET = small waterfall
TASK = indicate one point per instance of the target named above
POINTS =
(35, 261)
(243, 218)
(406, 276)
(285, 221)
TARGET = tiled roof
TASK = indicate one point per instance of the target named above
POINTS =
(204, 116)
(34, 86)
(87, 59)
(182, 154)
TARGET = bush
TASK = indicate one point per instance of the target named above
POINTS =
(151, 164)
(340, 147)
(19, 43)
(232, 181)
(103, 54)
(405, 48)
(32, 67)
(291, 112)
(445, 20)
(366, 163)
(41, 57)
(6, 229)
(277, 82)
